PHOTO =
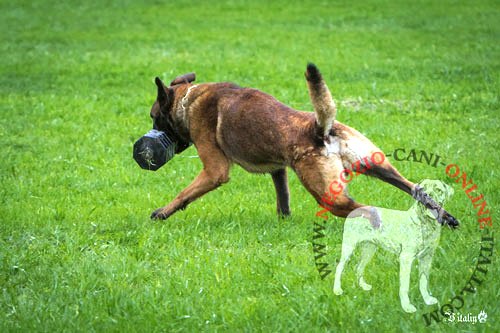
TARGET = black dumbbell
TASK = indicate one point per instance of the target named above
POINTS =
(153, 150)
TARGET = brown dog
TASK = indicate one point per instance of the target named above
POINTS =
(229, 124)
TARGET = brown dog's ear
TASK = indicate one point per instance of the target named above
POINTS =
(162, 94)
(186, 78)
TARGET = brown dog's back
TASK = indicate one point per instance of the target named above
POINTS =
(260, 133)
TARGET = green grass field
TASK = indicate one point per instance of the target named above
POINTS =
(78, 251)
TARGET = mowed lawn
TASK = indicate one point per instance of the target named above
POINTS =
(78, 252)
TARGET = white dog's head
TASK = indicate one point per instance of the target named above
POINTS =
(438, 190)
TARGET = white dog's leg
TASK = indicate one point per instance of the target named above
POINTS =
(367, 251)
(424, 265)
(347, 250)
(405, 261)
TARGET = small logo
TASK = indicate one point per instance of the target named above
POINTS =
(482, 316)
(468, 318)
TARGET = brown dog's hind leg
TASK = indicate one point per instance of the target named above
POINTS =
(320, 176)
(280, 181)
(386, 172)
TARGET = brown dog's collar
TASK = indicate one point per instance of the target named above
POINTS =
(184, 99)
(183, 114)
(183, 108)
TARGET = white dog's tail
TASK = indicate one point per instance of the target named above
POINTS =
(322, 100)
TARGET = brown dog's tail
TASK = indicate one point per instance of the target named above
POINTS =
(322, 100)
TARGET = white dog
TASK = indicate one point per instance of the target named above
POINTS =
(410, 234)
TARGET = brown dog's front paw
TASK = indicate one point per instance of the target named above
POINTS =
(159, 214)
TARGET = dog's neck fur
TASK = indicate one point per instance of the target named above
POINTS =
(427, 224)
(183, 106)
(185, 99)
(181, 109)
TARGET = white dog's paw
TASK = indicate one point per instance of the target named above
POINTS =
(430, 300)
(409, 308)
(337, 290)
(364, 285)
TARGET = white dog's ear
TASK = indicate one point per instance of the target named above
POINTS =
(426, 184)
(450, 189)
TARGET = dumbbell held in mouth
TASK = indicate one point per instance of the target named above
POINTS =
(153, 150)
